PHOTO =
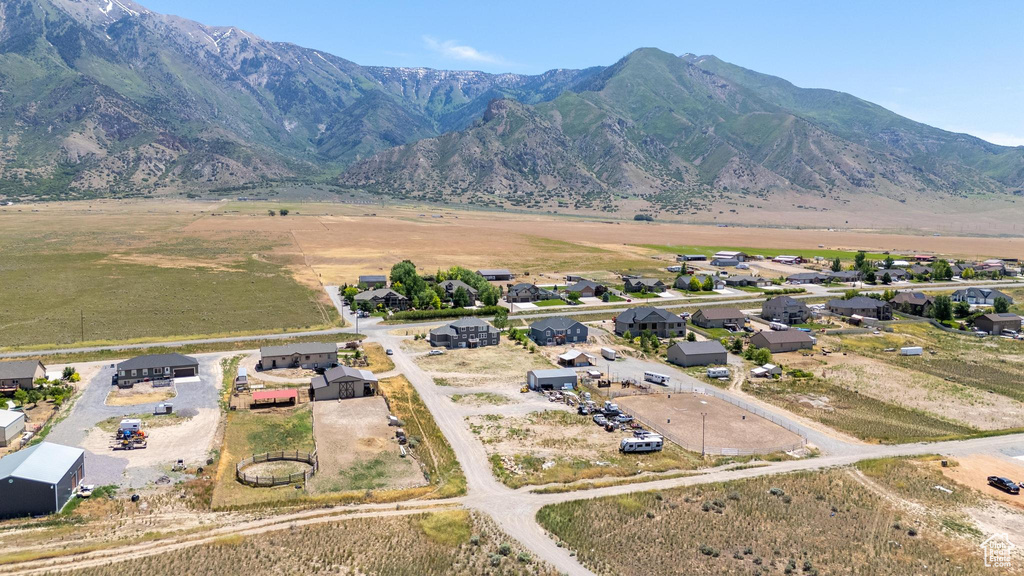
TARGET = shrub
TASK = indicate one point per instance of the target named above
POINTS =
(445, 313)
(504, 549)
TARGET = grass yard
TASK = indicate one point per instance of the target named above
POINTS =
(807, 523)
(454, 542)
(550, 302)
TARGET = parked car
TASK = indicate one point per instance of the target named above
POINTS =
(1004, 484)
(435, 352)
(600, 420)
(389, 352)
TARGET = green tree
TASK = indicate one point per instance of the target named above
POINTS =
(349, 294)
(607, 297)
(68, 372)
(460, 298)
(967, 273)
(889, 262)
(962, 309)
(574, 296)
(737, 346)
(627, 335)
(691, 337)
(837, 265)
(709, 284)
(886, 279)
(851, 293)
(34, 396)
(942, 309)
(858, 260)
(695, 285)
(761, 356)
(941, 270)
(490, 296)
(501, 319)
(870, 277)
(284, 211)
(1000, 305)
(435, 302)
(271, 213)
(20, 396)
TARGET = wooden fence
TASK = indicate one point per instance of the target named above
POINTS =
(273, 480)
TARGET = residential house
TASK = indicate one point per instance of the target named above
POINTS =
(465, 333)
(343, 382)
(577, 358)
(778, 342)
(587, 288)
(155, 367)
(20, 374)
(785, 309)
(731, 255)
(658, 321)
(916, 303)
(746, 280)
(807, 278)
(719, 318)
(495, 274)
(861, 306)
(683, 282)
(649, 285)
(526, 293)
(688, 354)
(308, 355)
(846, 276)
(979, 296)
(12, 425)
(919, 270)
(895, 274)
(552, 379)
(450, 286)
(996, 323)
(39, 479)
(558, 330)
(373, 281)
(385, 297)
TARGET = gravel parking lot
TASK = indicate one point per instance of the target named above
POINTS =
(195, 400)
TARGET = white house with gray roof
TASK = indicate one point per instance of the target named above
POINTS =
(465, 333)
(155, 367)
(39, 479)
(558, 330)
(979, 296)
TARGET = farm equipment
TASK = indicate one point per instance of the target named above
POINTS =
(128, 439)
(178, 466)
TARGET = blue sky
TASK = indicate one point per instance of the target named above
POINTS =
(954, 65)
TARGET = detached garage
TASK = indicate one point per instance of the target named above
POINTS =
(12, 424)
(698, 353)
(553, 379)
(40, 479)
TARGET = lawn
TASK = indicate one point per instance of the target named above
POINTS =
(806, 523)
(551, 302)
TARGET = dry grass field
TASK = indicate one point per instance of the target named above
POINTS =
(502, 367)
(188, 268)
(871, 518)
(141, 393)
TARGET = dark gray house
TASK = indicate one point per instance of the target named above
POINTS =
(917, 303)
(747, 280)
(495, 274)
(895, 274)
(682, 282)
(587, 288)
(807, 278)
(661, 323)
(308, 355)
(525, 293)
(558, 330)
(343, 382)
(718, 318)
(650, 285)
(465, 333)
(385, 297)
(450, 286)
(698, 353)
(373, 281)
(39, 479)
(20, 374)
(156, 367)
(861, 306)
(847, 276)
(785, 309)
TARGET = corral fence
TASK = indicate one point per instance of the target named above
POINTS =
(727, 451)
(276, 480)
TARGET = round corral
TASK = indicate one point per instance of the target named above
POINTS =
(258, 470)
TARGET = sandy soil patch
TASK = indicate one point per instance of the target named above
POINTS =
(357, 449)
(547, 435)
(974, 470)
(726, 426)
(163, 261)
(912, 389)
(501, 366)
(190, 440)
(141, 393)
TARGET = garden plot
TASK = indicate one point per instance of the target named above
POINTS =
(141, 393)
(501, 367)
(357, 449)
(561, 446)
(726, 427)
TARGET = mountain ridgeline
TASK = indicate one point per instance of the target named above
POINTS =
(106, 98)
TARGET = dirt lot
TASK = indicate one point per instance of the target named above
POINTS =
(190, 440)
(726, 425)
(501, 367)
(974, 470)
(357, 448)
(141, 393)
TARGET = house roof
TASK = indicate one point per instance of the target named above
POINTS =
(646, 281)
(373, 279)
(455, 285)
(845, 274)
(45, 462)
(8, 417)
(584, 284)
(785, 300)
(806, 276)
(743, 277)
(555, 323)
(729, 254)
(494, 272)
(339, 372)
(985, 293)
(300, 348)
(706, 347)
(574, 354)
(18, 369)
(856, 302)
(377, 293)
(1001, 317)
(919, 298)
(554, 373)
(644, 313)
(469, 321)
(721, 313)
(785, 336)
(157, 361)
(891, 272)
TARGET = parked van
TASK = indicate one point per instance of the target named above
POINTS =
(646, 443)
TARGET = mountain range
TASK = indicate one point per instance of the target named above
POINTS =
(107, 98)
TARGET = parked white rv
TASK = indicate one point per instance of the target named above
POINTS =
(778, 326)
(646, 443)
(656, 378)
(718, 372)
(608, 353)
(131, 424)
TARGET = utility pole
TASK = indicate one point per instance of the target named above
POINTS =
(704, 415)
(82, 312)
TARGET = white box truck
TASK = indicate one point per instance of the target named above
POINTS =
(608, 353)
(911, 351)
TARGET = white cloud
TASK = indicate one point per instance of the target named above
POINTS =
(455, 51)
